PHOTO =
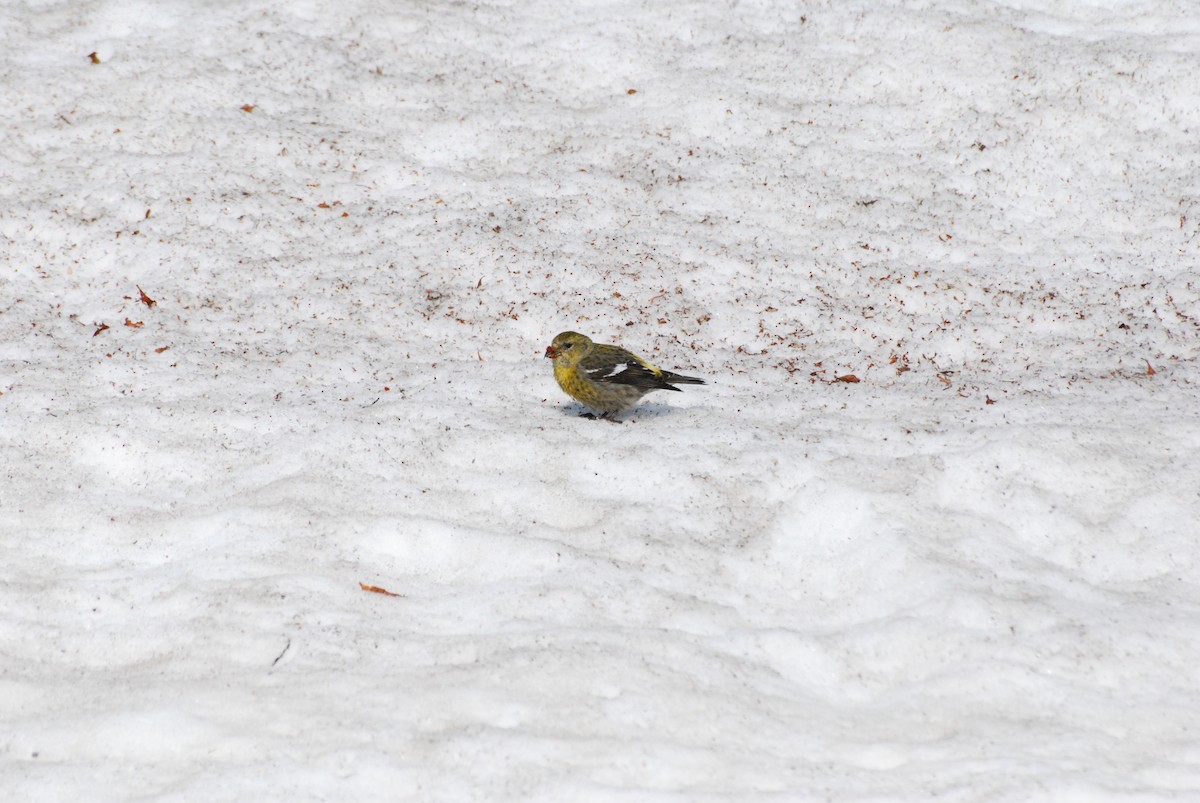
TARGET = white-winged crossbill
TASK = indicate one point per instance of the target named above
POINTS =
(607, 379)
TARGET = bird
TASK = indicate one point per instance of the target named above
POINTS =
(608, 379)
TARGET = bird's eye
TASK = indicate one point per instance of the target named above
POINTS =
(566, 346)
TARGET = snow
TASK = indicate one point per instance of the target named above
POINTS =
(972, 573)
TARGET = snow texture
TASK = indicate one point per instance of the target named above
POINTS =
(970, 574)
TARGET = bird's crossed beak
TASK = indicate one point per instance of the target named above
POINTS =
(551, 353)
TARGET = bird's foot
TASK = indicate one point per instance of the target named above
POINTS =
(601, 417)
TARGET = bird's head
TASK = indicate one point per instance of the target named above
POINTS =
(569, 346)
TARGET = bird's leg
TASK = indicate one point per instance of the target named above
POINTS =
(601, 417)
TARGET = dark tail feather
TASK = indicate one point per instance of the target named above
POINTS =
(680, 379)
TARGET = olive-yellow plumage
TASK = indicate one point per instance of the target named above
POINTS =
(607, 379)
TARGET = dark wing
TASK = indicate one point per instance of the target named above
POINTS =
(619, 367)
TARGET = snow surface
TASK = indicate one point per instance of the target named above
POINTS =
(971, 575)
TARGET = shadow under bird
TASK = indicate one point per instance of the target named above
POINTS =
(608, 379)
